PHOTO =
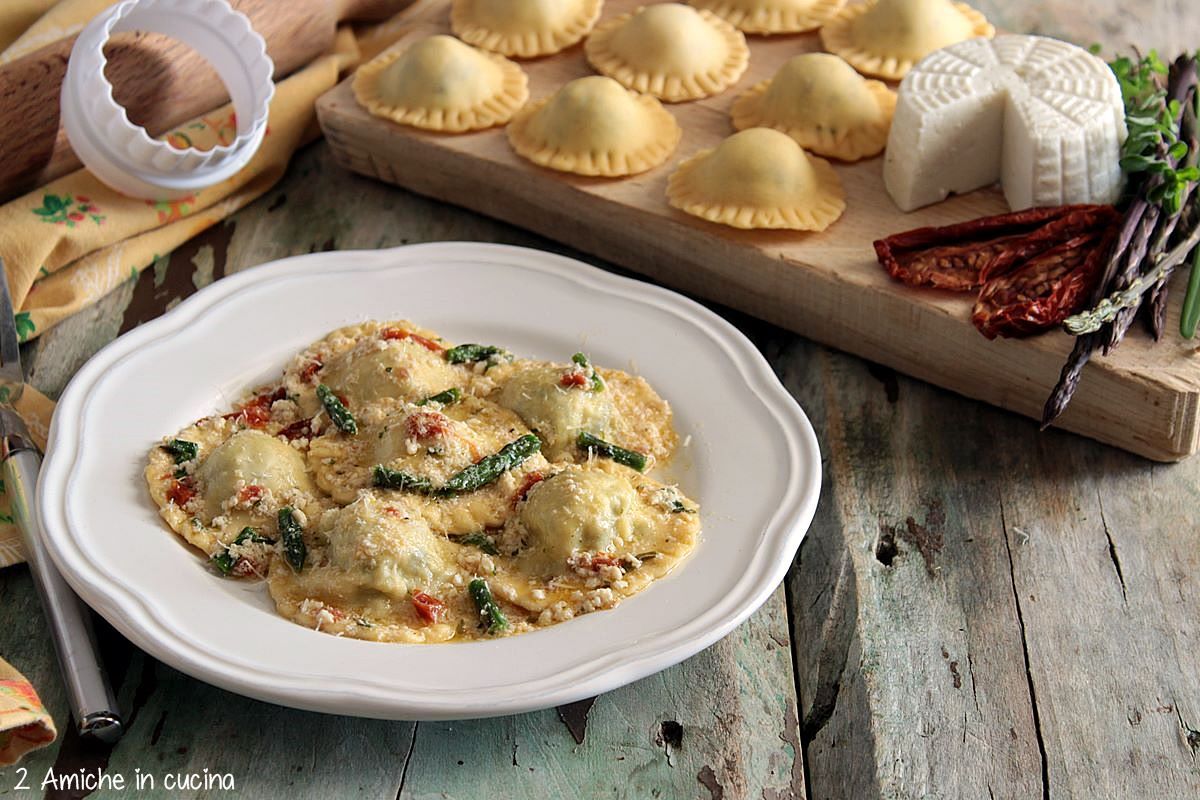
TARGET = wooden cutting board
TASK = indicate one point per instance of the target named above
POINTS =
(827, 286)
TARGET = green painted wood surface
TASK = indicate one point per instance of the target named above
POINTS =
(979, 610)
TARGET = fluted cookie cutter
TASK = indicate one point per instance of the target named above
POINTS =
(124, 155)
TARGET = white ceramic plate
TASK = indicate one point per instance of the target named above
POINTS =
(752, 463)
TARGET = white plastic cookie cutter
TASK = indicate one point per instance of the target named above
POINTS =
(124, 155)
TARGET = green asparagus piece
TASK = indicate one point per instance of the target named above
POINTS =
(597, 381)
(490, 468)
(337, 410)
(224, 560)
(443, 398)
(1190, 315)
(482, 595)
(480, 540)
(182, 450)
(385, 478)
(470, 353)
(293, 538)
(630, 458)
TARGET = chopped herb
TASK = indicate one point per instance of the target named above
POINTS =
(490, 468)
(337, 410)
(293, 538)
(226, 561)
(480, 540)
(597, 381)
(630, 458)
(385, 478)
(182, 450)
(482, 595)
(677, 507)
(443, 398)
(362, 623)
(471, 353)
(650, 556)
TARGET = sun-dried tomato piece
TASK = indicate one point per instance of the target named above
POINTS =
(954, 256)
(181, 492)
(428, 608)
(1042, 291)
(250, 494)
(573, 379)
(400, 334)
(301, 429)
(256, 413)
(531, 480)
(311, 369)
(423, 425)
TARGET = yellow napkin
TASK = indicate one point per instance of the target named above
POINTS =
(24, 723)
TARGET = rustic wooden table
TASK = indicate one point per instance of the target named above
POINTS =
(979, 610)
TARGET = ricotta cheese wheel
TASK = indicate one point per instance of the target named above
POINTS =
(1042, 116)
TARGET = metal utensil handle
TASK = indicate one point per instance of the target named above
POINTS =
(88, 689)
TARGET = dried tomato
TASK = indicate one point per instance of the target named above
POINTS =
(954, 256)
(297, 430)
(531, 480)
(399, 334)
(1042, 291)
(427, 607)
(311, 369)
(1033, 268)
(573, 379)
(256, 413)
(181, 492)
(250, 494)
(423, 425)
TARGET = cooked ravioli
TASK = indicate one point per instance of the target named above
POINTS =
(821, 102)
(758, 178)
(669, 50)
(594, 126)
(391, 487)
(596, 532)
(773, 16)
(433, 443)
(523, 28)
(886, 37)
(560, 401)
(441, 84)
(368, 558)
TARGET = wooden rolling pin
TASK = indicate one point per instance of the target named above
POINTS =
(161, 82)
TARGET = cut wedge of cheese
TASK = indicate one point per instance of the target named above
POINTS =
(1042, 116)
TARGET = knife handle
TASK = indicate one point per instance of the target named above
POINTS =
(91, 696)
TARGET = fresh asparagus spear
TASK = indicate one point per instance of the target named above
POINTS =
(442, 398)
(482, 595)
(337, 410)
(181, 450)
(630, 458)
(386, 478)
(490, 468)
(294, 549)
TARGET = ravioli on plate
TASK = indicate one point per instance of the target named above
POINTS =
(396, 487)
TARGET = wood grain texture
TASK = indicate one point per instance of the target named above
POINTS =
(828, 286)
